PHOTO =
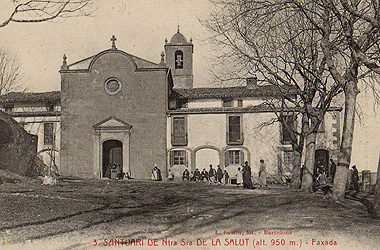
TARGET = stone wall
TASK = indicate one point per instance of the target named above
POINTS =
(18, 148)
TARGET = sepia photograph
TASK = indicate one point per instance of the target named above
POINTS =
(189, 124)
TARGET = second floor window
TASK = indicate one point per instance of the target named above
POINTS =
(234, 130)
(48, 133)
(227, 103)
(179, 133)
(287, 130)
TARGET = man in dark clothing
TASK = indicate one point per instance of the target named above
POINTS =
(211, 174)
(332, 170)
(197, 175)
(186, 174)
(219, 174)
(204, 175)
(355, 178)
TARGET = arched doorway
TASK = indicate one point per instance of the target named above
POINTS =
(112, 154)
(205, 156)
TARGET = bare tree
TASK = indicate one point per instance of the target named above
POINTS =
(283, 47)
(349, 36)
(10, 73)
(34, 11)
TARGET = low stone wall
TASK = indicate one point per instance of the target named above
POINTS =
(18, 148)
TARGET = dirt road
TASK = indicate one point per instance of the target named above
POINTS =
(88, 214)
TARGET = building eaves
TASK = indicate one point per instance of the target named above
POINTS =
(53, 97)
(233, 92)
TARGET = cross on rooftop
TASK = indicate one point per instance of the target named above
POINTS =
(113, 40)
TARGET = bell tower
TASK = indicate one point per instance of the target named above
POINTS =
(179, 58)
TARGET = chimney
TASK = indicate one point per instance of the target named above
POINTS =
(252, 82)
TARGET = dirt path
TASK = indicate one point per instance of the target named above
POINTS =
(82, 213)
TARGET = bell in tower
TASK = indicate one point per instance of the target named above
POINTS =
(179, 58)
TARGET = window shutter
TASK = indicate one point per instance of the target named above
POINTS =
(171, 158)
(186, 159)
(241, 157)
(226, 162)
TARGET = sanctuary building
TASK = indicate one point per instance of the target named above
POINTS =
(115, 107)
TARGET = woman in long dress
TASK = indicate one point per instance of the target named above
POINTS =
(263, 174)
(247, 181)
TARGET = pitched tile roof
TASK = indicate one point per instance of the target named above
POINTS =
(28, 97)
(232, 92)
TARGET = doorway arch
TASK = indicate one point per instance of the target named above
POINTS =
(205, 155)
(112, 154)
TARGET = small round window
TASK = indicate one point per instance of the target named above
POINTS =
(112, 86)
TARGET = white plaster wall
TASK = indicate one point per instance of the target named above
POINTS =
(205, 103)
(34, 125)
(206, 129)
(262, 141)
(205, 157)
(252, 102)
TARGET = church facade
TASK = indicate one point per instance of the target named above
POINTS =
(115, 107)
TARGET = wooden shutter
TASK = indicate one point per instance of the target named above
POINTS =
(171, 158)
(241, 157)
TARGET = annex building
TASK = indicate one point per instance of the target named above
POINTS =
(115, 107)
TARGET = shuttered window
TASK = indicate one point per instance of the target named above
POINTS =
(234, 157)
(179, 133)
(234, 130)
(48, 133)
(178, 157)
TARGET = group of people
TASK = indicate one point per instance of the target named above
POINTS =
(115, 171)
(211, 176)
(244, 175)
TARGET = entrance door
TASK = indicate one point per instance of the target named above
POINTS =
(321, 158)
(112, 154)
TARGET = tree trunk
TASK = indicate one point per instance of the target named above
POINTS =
(377, 193)
(307, 178)
(296, 170)
(340, 180)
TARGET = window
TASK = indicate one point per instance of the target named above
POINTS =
(240, 103)
(178, 157)
(286, 131)
(227, 103)
(9, 108)
(178, 59)
(234, 157)
(48, 133)
(234, 130)
(50, 107)
(179, 134)
(288, 161)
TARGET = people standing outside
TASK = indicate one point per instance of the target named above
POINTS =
(211, 175)
(186, 174)
(219, 174)
(156, 173)
(226, 177)
(197, 175)
(355, 178)
(263, 174)
(239, 176)
(247, 178)
(204, 175)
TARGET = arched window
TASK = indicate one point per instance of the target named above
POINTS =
(178, 59)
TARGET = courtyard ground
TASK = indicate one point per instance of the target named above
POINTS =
(91, 214)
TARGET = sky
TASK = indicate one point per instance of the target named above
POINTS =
(141, 27)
